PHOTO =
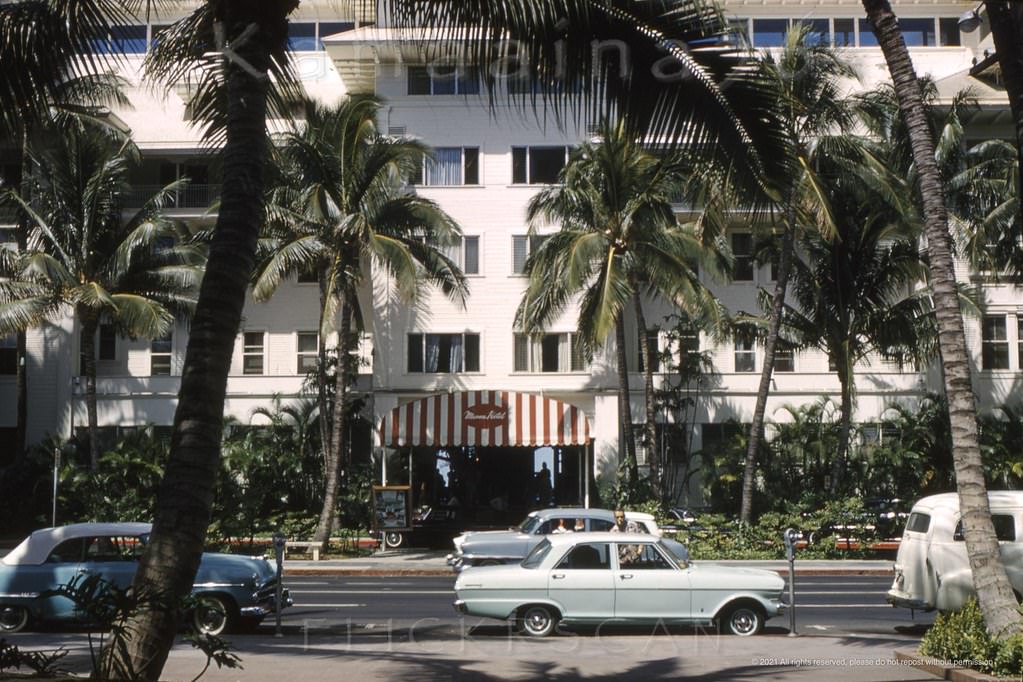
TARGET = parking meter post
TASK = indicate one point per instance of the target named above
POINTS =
(790, 537)
(279, 545)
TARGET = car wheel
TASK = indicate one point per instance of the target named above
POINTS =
(744, 621)
(393, 539)
(538, 620)
(13, 618)
(213, 615)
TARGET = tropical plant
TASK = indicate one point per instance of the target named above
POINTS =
(809, 109)
(342, 205)
(138, 274)
(857, 294)
(994, 592)
(619, 239)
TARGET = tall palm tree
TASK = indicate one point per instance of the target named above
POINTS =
(344, 205)
(674, 91)
(138, 274)
(858, 295)
(1006, 20)
(994, 592)
(810, 111)
(618, 238)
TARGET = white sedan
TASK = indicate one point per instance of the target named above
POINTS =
(592, 578)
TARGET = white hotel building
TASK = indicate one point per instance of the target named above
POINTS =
(460, 383)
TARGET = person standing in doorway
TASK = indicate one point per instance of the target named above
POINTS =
(544, 487)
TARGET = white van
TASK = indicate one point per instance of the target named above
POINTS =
(931, 568)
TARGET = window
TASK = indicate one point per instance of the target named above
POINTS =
(107, 342)
(590, 556)
(9, 354)
(547, 353)
(1019, 341)
(918, 523)
(745, 356)
(453, 166)
(537, 165)
(845, 32)
(160, 353)
(252, 353)
(465, 254)
(128, 39)
(522, 247)
(784, 360)
(918, 32)
(994, 343)
(742, 250)
(819, 30)
(642, 557)
(769, 32)
(948, 30)
(443, 353)
(867, 37)
(302, 37)
(443, 80)
(1005, 528)
(653, 338)
(307, 345)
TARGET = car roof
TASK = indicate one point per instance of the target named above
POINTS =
(36, 547)
(996, 498)
(560, 539)
(588, 512)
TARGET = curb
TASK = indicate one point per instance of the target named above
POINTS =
(945, 671)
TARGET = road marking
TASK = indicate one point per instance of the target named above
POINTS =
(879, 605)
(380, 593)
(303, 605)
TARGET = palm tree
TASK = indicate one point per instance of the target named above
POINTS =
(857, 295)
(82, 253)
(618, 238)
(811, 113)
(343, 206)
(994, 592)
(673, 91)
(1006, 20)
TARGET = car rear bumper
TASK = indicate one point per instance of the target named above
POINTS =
(460, 607)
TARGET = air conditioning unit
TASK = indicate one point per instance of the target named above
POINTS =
(396, 131)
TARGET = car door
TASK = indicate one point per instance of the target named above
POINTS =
(63, 564)
(647, 584)
(582, 583)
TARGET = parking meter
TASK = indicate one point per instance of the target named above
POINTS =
(279, 545)
(791, 536)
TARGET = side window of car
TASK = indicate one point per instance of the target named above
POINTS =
(105, 548)
(587, 556)
(600, 525)
(642, 557)
(68, 552)
(1005, 528)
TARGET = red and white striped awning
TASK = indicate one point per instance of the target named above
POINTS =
(485, 418)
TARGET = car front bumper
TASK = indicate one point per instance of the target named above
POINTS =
(460, 607)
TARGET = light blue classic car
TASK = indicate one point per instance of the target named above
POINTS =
(627, 578)
(230, 591)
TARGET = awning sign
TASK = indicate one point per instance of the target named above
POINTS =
(484, 418)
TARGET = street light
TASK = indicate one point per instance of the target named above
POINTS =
(970, 20)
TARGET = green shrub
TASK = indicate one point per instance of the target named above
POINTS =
(962, 637)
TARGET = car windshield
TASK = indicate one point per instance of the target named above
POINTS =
(536, 555)
(529, 525)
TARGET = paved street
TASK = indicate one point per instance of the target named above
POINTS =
(373, 627)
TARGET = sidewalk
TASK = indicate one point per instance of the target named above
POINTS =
(431, 562)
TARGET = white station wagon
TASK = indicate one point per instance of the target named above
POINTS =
(626, 578)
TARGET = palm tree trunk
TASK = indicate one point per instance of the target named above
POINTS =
(994, 592)
(845, 380)
(339, 425)
(90, 323)
(756, 428)
(186, 494)
(322, 402)
(626, 437)
(1006, 19)
(650, 422)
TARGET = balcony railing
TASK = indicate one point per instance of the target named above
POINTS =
(192, 196)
